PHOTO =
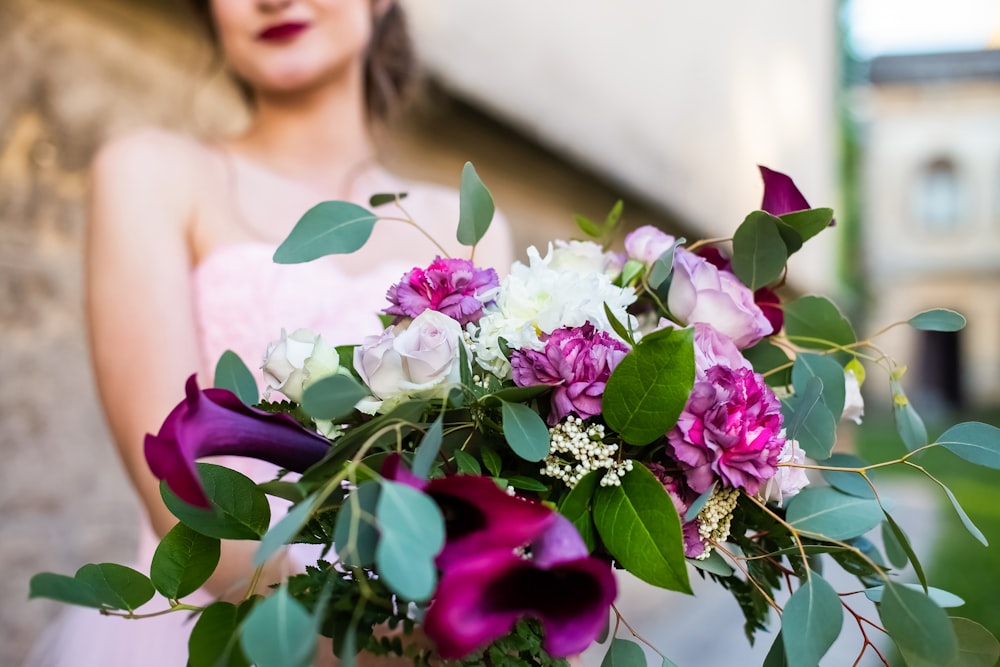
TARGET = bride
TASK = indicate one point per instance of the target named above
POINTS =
(178, 258)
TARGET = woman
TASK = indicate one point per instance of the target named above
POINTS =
(179, 247)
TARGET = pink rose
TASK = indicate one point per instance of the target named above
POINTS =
(647, 243)
(700, 292)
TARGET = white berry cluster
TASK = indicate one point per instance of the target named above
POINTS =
(715, 518)
(576, 449)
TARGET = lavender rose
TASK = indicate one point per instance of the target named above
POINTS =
(700, 292)
(454, 287)
(422, 357)
(647, 243)
(730, 430)
(577, 362)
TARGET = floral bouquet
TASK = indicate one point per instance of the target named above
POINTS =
(479, 468)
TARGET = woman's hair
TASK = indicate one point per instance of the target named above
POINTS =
(390, 63)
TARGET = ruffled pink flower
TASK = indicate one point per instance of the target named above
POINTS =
(454, 287)
(577, 363)
(730, 431)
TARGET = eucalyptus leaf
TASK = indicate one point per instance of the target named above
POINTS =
(975, 442)
(624, 653)
(909, 425)
(329, 228)
(412, 534)
(232, 374)
(904, 543)
(977, 647)
(941, 598)
(894, 551)
(525, 432)
(759, 253)
(776, 655)
(851, 483)
(770, 361)
(700, 502)
(279, 632)
(938, 319)
(823, 511)
(649, 388)
(284, 531)
(814, 322)
(640, 527)
(810, 422)
(920, 628)
(332, 397)
(808, 365)
(355, 532)
(240, 510)
(811, 621)
(476, 207)
(116, 586)
(966, 520)
(714, 563)
(183, 561)
(663, 266)
(214, 640)
(428, 449)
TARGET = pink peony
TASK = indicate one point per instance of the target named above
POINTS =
(729, 431)
(454, 287)
(577, 362)
(700, 292)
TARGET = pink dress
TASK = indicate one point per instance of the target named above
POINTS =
(242, 302)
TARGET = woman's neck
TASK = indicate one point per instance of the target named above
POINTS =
(319, 137)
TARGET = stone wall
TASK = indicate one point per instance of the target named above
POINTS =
(75, 74)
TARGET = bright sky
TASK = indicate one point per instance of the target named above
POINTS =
(907, 26)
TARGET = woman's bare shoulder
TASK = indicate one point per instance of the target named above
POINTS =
(165, 156)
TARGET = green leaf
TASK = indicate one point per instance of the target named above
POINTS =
(811, 621)
(966, 521)
(667, 662)
(624, 653)
(588, 226)
(663, 267)
(632, 270)
(279, 632)
(284, 531)
(526, 483)
(814, 322)
(412, 533)
(355, 533)
(894, 550)
(909, 425)
(904, 544)
(759, 253)
(476, 207)
(614, 216)
(427, 450)
(766, 357)
(332, 397)
(776, 656)
(467, 463)
(977, 647)
(329, 228)
(938, 319)
(699, 503)
(642, 530)
(919, 627)
(975, 442)
(808, 365)
(827, 512)
(232, 374)
(618, 327)
(240, 510)
(851, 483)
(808, 223)
(214, 640)
(713, 563)
(649, 388)
(517, 394)
(941, 598)
(383, 198)
(183, 561)
(61, 588)
(576, 506)
(809, 421)
(116, 586)
(491, 460)
(525, 431)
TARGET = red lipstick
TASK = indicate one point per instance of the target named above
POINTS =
(282, 31)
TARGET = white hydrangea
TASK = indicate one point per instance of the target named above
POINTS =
(536, 299)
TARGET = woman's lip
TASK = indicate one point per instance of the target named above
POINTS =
(282, 31)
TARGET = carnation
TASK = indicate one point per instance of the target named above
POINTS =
(730, 431)
(454, 287)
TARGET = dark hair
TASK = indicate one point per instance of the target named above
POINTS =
(390, 64)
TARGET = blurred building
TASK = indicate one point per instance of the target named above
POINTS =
(931, 188)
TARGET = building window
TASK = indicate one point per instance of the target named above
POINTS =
(937, 196)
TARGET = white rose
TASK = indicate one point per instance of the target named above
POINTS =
(789, 480)
(854, 403)
(420, 358)
(296, 361)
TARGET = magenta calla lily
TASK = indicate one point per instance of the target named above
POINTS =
(781, 196)
(214, 422)
(480, 599)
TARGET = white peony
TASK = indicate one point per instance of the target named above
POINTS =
(584, 257)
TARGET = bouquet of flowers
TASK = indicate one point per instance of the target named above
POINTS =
(479, 468)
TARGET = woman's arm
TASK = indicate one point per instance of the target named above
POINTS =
(142, 329)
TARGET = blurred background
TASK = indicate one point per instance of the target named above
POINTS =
(886, 110)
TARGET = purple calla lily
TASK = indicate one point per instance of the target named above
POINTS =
(781, 196)
(213, 422)
(482, 598)
(479, 517)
